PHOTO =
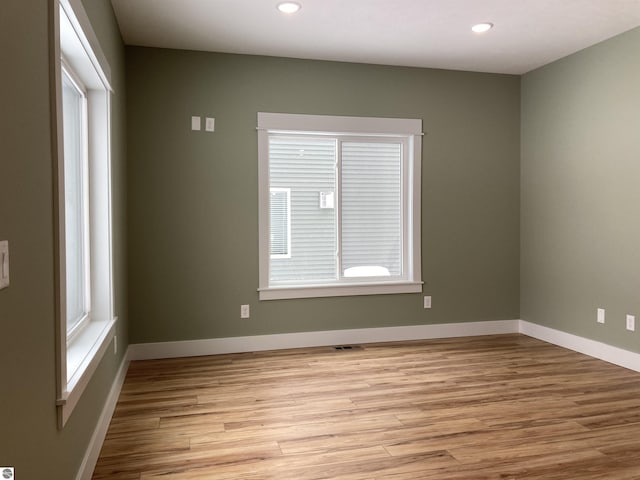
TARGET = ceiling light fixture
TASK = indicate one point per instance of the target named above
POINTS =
(482, 27)
(289, 7)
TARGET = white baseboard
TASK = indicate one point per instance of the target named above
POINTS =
(215, 346)
(85, 472)
(593, 348)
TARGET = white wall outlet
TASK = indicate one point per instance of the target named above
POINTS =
(115, 344)
(244, 311)
(4, 264)
(210, 124)
(631, 322)
(427, 301)
(195, 123)
(600, 315)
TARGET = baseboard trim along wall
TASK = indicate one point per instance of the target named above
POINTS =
(216, 346)
(593, 348)
(90, 459)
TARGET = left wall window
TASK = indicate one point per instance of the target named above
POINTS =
(76, 201)
(81, 91)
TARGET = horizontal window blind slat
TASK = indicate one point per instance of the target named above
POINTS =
(371, 206)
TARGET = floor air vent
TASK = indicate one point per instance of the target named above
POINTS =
(347, 347)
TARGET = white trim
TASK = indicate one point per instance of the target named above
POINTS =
(339, 290)
(74, 37)
(74, 387)
(330, 124)
(75, 12)
(593, 348)
(216, 346)
(92, 453)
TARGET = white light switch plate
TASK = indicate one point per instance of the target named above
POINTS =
(195, 123)
(631, 322)
(4, 264)
(210, 124)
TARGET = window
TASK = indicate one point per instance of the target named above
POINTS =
(86, 323)
(339, 205)
(76, 205)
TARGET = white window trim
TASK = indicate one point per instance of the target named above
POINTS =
(325, 124)
(78, 356)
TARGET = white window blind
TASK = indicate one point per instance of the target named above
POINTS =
(371, 191)
(369, 209)
(306, 166)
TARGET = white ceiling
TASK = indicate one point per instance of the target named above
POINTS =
(420, 33)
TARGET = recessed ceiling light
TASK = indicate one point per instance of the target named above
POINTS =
(289, 7)
(482, 27)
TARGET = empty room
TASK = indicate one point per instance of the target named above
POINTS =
(320, 239)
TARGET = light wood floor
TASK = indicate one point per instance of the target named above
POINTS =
(502, 407)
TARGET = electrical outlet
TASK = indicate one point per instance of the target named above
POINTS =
(600, 315)
(427, 301)
(115, 344)
(631, 322)
(244, 311)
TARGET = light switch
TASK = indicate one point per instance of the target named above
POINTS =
(631, 322)
(210, 124)
(427, 301)
(195, 123)
(4, 264)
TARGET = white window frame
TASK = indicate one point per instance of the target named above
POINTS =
(409, 131)
(78, 352)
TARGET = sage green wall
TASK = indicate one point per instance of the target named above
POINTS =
(193, 195)
(580, 192)
(30, 439)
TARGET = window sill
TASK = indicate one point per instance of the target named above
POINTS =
(352, 289)
(83, 356)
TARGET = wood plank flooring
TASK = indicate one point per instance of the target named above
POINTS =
(505, 407)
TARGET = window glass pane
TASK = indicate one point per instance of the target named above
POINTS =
(306, 166)
(74, 184)
(371, 209)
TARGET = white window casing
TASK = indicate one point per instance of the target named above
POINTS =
(354, 205)
(82, 159)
